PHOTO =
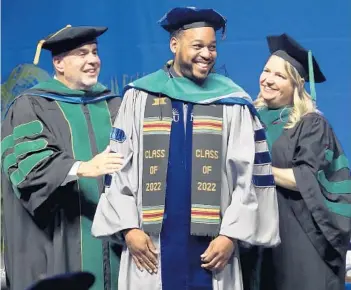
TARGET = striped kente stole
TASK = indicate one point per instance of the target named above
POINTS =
(206, 165)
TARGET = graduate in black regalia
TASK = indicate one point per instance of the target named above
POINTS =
(54, 155)
(312, 175)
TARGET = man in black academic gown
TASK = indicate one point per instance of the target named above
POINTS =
(54, 155)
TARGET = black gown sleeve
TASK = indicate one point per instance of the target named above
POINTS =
(322, 174)
(33, 158)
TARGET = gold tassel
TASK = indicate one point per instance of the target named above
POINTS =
(37, 53)
(41, 43)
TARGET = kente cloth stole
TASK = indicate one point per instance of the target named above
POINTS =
(206, 165)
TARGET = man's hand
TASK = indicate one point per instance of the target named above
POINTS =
(216, 256)
(142, 250)
(101, 164)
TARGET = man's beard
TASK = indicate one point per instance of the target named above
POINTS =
(187, 71)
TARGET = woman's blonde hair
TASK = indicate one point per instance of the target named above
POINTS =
(302, 101)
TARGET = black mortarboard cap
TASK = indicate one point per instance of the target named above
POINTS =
(192, 17)
(75, 280)
(287, 48)
(68, 38)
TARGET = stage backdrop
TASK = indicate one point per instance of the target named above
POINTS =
(135, 45)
